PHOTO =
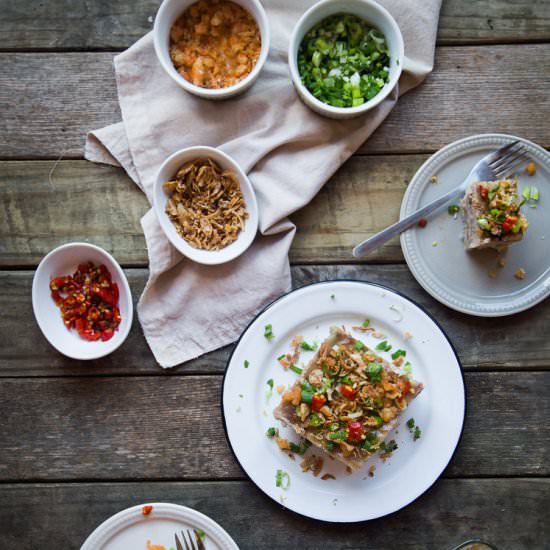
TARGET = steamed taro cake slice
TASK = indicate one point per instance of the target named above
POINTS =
(347, 400)
(492, 217)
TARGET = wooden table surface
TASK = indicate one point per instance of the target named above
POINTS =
(81, 441)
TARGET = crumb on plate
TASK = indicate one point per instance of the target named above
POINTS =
(520, 273)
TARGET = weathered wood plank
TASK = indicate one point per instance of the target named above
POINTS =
(49, 101)
(66, 25)
(503, 21)
(518, 341)
(508, 513)
(84, 202)
(160, 428)
(100, 204)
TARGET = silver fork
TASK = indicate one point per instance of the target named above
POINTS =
(195, 544)
(492, 166)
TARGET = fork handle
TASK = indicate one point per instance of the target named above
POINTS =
(374, 242)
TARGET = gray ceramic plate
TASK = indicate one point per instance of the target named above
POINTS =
(436, 255)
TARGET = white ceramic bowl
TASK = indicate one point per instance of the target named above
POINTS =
(63, 261)
(377, 16)
(166, 16)
(167, 172)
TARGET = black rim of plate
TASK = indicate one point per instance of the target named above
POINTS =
(367, 283)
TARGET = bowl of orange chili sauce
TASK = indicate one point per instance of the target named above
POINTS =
(214, 49)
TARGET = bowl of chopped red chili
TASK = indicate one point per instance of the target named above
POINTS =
(82, 301)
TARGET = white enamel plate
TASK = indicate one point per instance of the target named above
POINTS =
(130, 529)
(474, 282)
(439, 410)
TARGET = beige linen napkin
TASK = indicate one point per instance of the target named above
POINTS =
(288, 151)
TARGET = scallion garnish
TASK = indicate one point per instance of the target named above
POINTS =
(398, 353)
(359, 345)
(281, 357)
(341, 434)
(365, 323)
(308, 347)
(388, 448)
(453, 209)
(416, 432)
(384, 346)
(531, 194)
(268, 332)
(374, 372)
(272, 432)
(246, 363)
(343, 61)
(269, 392)
(282, 480)
(407, 368)
(306, 396)
(295, 369)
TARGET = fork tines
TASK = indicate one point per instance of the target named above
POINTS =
(189, 542)
(507, 158)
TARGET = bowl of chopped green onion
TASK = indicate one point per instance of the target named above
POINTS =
(345, 57)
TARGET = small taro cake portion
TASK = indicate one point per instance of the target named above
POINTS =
(492, 217)
(347, 400)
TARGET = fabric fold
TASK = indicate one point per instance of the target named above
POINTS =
(288, 151)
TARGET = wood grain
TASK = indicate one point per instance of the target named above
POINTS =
(508, 513)
(519, 342)
(100, 204)
(170, 428)
(49, 101)
(66, 25)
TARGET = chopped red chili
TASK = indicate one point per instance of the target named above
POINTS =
(422, 222)
(88, 301)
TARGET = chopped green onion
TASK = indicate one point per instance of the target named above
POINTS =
(492, 192)
(308, 347)
(407, 369)
(453, 209)
(342, 434)
(379, 420)
(374, 372)
(268, 332)
(343, 61)
(410, 423)
(333, 427)
(388, 448)
(417, 433)
(370, 441)
(201, 534)
(246, 363)
(531, 194)
(282, 480)
(315, 420)
(281, 357)
(306, 396)
(332, 296)
(295, 369)
(269, 392)
(365, 323)
(384, 346)
(484, 224)
(398, 353)
(346, 380)
(517, 226)
(359, 345)
(306, 386)
(272, 432)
